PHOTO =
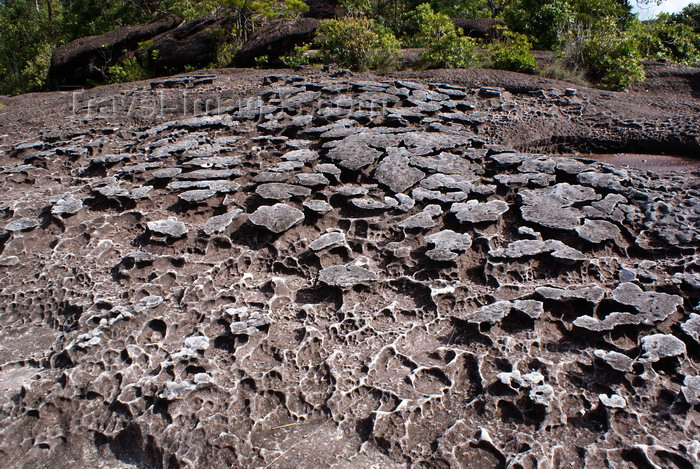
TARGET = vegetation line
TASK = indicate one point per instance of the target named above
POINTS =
(599, 42)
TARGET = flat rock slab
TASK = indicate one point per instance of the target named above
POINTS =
(329, 240)
(597, 231)
(171, 228)
(691, 389)
(610, 322)
(395, 173)
(281, 191)
(67, 206)
(447, 244)
(23, 224)
(222, 186)
(692, 327)
(658, 346)
(204, 174)
(447, 163)
(654, 306)
(220, 223)
(533, 247)
(423, 220)
(354, 157)
(593, 294)
(345, 276)
(368, 204)
(450, 182)
(318, 206)
(616, 360)
(474, 211)
(312, 179)
(277, 218)
(496, 312)
(197, 195)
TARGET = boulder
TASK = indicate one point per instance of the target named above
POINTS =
(323, 9)
(88, 58)
(479, 28)
(276, 39)
(194, 43)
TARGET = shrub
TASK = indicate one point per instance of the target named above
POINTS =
(130, 69)
(357, 44)
(544, 21)
(225, 53)
(603, 53)
(298, 57)
(665, 39)
(262, 61)
(37, 69)
(613, 57)
(441, 40)
(513, 51)
(24, 42)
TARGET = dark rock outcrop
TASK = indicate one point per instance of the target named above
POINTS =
(194, 43)
(276, 39)
(87, 58)
(323, 9)
(479, 28)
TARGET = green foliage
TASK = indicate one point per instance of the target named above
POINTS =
(130, 69)
(690, 16)
(596, 38)
(25, 47)
(441, 40)
(241, 9)
(388, 13)
(298, 57)
(468, 8)
(603, 53)
(614, 59)
(542, 20)
(666, 39)
(261, 61)
(37, 69)
(357, 44)
(512, 51)
(225, 54)
(547, 21)
(145, 45)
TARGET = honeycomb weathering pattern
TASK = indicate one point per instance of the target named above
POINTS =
(344, 274)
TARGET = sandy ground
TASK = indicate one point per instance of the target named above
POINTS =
(656, 163)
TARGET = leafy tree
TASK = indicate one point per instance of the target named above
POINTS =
(512, 51)
(690, 15)
(81, 18)
(443, 44)
(469, 8)
(664, 38)
(612, 56)
(23, 39)
(389, 13)
(358, 44)
(602, 52)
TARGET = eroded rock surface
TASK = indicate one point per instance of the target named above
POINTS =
(343, 273)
